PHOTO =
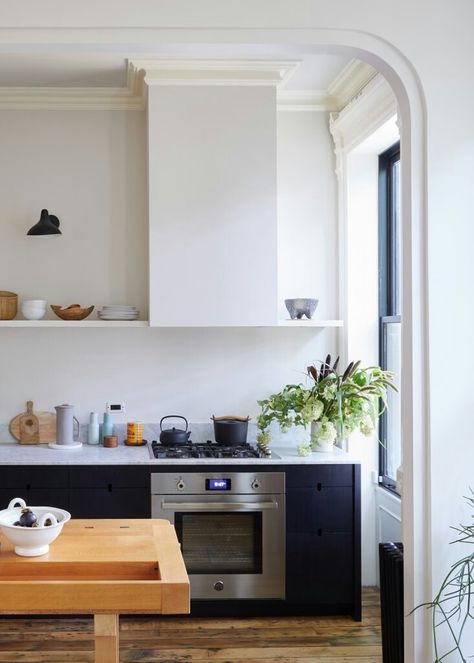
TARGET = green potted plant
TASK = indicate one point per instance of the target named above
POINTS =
(452, 607)
(333, 404)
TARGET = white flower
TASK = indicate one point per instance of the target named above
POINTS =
(366, 426)
(325, 431)
(304, 449)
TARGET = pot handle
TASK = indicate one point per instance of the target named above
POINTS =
(231, 417)
(173, 416)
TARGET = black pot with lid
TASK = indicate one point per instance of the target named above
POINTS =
(230, 430)
(174, 436)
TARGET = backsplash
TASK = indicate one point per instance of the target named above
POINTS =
(200, 433)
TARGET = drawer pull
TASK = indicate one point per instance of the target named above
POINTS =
(320, 532)
(318, 486)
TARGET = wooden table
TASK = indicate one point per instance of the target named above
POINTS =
(99, 567)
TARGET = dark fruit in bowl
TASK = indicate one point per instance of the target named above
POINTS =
(17, 524)
(28, 518)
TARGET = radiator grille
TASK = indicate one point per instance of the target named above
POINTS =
(391, 601)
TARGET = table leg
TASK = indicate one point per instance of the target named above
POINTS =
(106, 634)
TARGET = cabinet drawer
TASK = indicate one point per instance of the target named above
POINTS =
(117, 476)
(34, 477)
(320, 569)
(58, 497)
(327, 507)
(326, 475)
(115, 503)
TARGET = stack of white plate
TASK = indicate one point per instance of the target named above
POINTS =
(115, 312)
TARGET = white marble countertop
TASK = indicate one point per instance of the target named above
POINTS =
(41, 454)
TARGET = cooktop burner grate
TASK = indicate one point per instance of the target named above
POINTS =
(207, 450)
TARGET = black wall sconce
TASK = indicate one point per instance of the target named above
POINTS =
(47, 225)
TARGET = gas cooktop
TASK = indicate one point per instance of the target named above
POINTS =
(207, 450)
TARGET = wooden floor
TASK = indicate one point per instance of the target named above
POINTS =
(176, 640)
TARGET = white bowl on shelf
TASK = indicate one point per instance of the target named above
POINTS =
(34, 309)
(32, 541)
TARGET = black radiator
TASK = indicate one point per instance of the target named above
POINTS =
(391, 601)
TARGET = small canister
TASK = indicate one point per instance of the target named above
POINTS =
(110, 441)
(134, 432)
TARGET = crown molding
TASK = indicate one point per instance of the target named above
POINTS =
(215, 72)
(350, 81)
(305, 100)
(142, 73)
(347, 85)
(131, 97)
(373, 106)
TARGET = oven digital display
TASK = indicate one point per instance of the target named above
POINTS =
(217, 484)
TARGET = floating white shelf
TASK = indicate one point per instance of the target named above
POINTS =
(109, 324)
(309, 323)
(74, 323)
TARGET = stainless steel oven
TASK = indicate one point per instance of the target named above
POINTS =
(231, 526)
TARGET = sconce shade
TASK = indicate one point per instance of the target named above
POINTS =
(47, 225)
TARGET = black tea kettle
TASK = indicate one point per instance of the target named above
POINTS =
(170, 437)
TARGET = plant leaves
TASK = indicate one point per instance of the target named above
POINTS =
(347, 372)
(313, 372)
(354, 368)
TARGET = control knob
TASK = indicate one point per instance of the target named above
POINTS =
(255, 484)
(219, 586)
(180, 485)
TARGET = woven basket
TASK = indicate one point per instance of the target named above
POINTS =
(8, 305)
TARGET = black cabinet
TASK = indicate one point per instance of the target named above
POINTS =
(86, 491)
(113, 503)
(120, 491)
(322, 524)
(104, 476)
(43, 486)
(323, 537)
(320, 568)
(316, 507)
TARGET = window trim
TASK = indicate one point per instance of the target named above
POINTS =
(385, 480)
(387, 285)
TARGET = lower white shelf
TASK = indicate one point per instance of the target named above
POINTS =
(74, 323)
(315, 324)
(304, 322)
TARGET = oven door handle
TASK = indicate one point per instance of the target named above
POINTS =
(220, 506)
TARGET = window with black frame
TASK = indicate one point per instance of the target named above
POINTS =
(390, 309)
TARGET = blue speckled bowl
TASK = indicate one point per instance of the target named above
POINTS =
(299, 307)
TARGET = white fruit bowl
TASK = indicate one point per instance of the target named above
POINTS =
(32, 541)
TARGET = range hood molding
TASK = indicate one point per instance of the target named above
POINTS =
(213, 72)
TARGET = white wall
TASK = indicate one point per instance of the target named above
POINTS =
(307, 229)
(194, 372)
(362, 325)
(93, 177)
(88, 168)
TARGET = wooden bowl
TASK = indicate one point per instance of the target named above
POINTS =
(73, 312)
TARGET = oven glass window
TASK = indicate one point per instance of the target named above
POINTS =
(220, 542)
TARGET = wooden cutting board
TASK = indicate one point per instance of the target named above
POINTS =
(46, 423)
(29, 426)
